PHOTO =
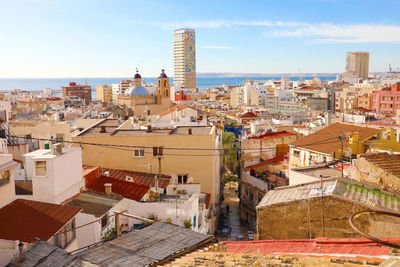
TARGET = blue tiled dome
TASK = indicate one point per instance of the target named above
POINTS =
(137, 76)
(162, 75)
(140, 90)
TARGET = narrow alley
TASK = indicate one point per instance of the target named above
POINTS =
(238, 231)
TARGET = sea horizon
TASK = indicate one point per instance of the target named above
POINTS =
(38, 84)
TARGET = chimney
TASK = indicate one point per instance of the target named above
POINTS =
(103, 129)
(107, 187)
(148, 129)
(190, 131)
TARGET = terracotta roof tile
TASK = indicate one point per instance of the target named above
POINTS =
(271, 135)
(327, 140)
(349, 246)
(172, 109)
(248, 115)
(273, 160)
(389, 163)
(27, 219)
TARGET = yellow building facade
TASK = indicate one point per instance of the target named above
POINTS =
(104, 93)
(198, 166)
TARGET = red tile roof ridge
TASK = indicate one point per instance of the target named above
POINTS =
(318, 240)
(275, 159)
(271, 135)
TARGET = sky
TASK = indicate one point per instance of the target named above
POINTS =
(84, 38)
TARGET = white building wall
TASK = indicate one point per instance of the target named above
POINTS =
(8, 249)
(7, 191)
(64, 177)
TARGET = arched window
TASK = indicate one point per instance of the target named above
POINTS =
(166, 93)
(165, 83)
(159, 83)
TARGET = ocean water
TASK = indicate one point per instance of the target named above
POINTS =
(56, 83)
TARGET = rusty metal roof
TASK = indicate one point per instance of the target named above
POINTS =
(144, 178)
(126, 189)
(26, 220)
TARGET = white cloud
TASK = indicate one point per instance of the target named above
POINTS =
(341, 33)
(232, 23)
(217, 47)
(322, 33)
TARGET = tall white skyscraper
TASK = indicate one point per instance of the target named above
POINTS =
(185, 59)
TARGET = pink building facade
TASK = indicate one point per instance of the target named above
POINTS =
(386, 100)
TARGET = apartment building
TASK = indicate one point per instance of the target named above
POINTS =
(185, 59)
(194, 165)
(83, 91)
(386, 100)
(104, 93)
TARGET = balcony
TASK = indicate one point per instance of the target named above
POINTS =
(23, 187)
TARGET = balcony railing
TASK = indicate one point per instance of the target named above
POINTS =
(23, 187)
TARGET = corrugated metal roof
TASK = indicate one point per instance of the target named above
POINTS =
(126, 189)
(26, 220)
(339, 187)
(144, 247)
(144, 178)
(43, 254)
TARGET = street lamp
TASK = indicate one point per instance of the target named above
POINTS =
(20, 246)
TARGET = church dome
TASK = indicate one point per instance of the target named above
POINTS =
(163, 75)
(139, 91)
(137, 75)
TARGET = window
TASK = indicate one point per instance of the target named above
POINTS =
(138, 153)
(4, 177)
(104, 221)
(296, 153)
(66, 235)
(166, 93)
(182, 178)
(157, 151)
(40, 168)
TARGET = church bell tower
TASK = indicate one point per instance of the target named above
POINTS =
(163, 88)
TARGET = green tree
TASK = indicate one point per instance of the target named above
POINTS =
(229, 152)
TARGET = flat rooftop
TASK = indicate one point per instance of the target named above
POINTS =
(326, 172)
(110, 128)
(93, 203)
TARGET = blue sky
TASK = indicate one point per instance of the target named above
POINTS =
(54, 38)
